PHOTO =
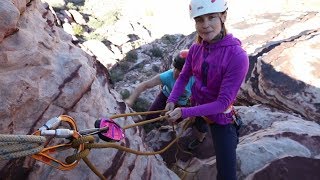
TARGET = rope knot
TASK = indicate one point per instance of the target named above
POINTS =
(85, 140)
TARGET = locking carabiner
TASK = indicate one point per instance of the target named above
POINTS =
(45, 157)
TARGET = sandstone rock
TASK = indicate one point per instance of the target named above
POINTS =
(43, 75)
(10, 16)
(102, 53)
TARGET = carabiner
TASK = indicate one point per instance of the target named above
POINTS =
(44, 155)
(92, 131)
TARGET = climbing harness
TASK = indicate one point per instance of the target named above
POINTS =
(82, 141)
(236, 119)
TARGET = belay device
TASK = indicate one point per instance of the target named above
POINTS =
(114, 132)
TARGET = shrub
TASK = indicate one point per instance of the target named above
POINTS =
(169, 39)
(155, 68)
(125, 93)
(117, 72)
(123, 66)
(149, 73)
(77, 29)
(131, 56)
(94, 23)
(95, 36)
(140, 105)
(116, 75)
(156, 52)
(70, 5)
(111, 17)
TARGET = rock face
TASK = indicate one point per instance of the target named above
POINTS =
(43, 75)
(290, 168)
(8, 24)
(269, 137)
(283, 69)
(289, 136)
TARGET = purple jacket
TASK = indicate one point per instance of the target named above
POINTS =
(219, 69)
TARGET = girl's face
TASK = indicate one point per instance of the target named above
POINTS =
(209, 26)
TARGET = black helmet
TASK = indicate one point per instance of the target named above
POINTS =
(179, 60)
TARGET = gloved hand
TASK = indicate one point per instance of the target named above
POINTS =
(169, 106)
(174, 115)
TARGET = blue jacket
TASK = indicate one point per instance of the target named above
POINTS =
(168, 80)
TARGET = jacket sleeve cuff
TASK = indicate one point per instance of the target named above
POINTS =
(184, 113)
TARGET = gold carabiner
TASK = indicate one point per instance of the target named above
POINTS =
(44, 155)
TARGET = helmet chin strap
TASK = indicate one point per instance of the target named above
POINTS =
(221, 33)
(218, 36)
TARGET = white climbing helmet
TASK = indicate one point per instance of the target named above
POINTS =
(201, 7)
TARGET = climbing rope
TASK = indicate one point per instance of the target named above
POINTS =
(15, 146)
(184, 171)
(89, 144)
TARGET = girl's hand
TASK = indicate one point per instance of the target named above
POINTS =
(169, 106)
(174, 115)
(128, 102)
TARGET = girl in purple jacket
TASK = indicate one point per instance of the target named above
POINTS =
(219, 65)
